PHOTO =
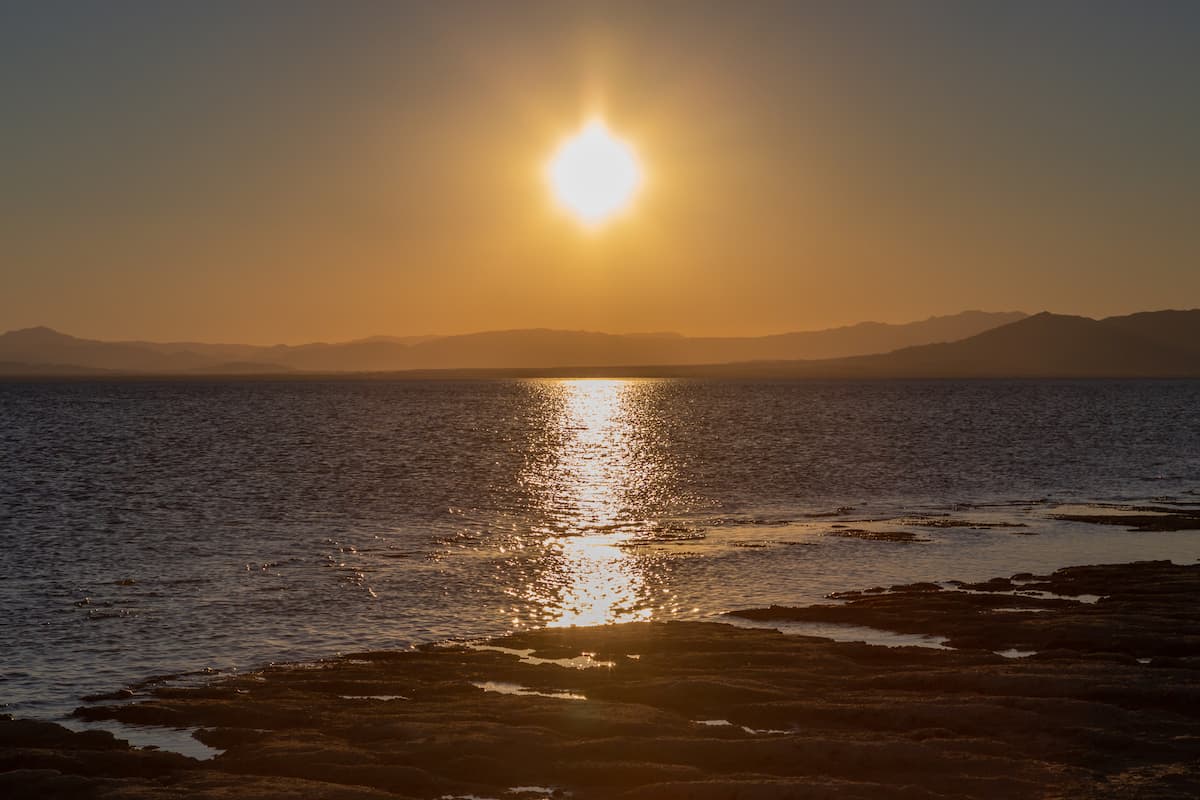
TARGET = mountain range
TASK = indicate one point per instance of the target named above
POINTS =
(513, 349)
(973, 344)
(1152, 344)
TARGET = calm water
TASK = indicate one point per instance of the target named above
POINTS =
(163, 527)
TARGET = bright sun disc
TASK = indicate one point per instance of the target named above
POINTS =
(594, 175)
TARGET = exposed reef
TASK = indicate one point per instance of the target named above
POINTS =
(1109, 706)
(1128, 611)
(907, 537)
(1140, 518)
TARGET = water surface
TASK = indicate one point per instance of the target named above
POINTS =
(171, 526)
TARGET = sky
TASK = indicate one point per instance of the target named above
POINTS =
(273, 172)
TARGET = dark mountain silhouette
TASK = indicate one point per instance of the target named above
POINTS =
(45, 346)
(861, 339)
(546, 348)
(517, 349)
(1060, 346)
(1149, 344)
(1161, 344)
(1171, 329)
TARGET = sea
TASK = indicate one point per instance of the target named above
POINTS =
(201, 527)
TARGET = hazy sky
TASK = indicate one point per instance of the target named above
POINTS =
(281, 172)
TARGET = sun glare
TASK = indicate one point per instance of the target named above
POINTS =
(593, 174)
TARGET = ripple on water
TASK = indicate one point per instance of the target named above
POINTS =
(234, 524)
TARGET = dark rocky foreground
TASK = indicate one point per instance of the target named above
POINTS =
(1109, 707)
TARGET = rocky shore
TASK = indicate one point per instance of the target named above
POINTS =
(1104, 701)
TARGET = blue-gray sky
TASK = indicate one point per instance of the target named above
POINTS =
(288, 171)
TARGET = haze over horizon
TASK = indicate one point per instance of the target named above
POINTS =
(284, 174)
(424, 335)
(973, 344)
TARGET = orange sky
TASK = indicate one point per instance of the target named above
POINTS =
(251, 175)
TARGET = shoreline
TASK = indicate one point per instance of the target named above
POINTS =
(703, 709)
(1139, 523)
(1044, 532)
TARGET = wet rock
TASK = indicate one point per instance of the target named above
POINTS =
(994, 585)
(1158, 520)
(1141, 611)
(40, 760)
(1083, 717)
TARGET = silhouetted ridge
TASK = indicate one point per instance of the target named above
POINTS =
(528, 349)
(1043, 345)
(1171, 329)
(40, 335)
(1149, 345)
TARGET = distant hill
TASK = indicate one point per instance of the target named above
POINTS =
(1149, 344)
(1159, 344)
(43, 346)
(526, 349)
(516, 349)
(1053, 345)
(1169, 329)
(1156, 344)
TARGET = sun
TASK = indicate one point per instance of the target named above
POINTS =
(593, 174)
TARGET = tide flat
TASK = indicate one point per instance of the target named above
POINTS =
(1104, 706)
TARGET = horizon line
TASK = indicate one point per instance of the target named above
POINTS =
(532, 328)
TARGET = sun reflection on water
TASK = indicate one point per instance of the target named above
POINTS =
(604, 584)
(590, 484)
